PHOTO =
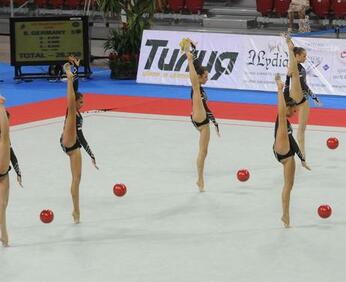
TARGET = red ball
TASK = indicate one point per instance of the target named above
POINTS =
(46, 216)
(119, 189)
(243, 175)
(332, 143)
(324, 211)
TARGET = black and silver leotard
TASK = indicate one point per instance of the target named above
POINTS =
(294, 148)
(305, 88)
(210, 115)
(81, 141)
(14, 162)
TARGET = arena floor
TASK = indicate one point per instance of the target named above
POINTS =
(163, 229)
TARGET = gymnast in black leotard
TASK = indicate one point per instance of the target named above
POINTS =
(201, 114)
(297, 88)
(285, 147)
(4, 169)
(72, 138)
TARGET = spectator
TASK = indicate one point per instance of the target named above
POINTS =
(55, 72)
(160, 5)
(299, 7)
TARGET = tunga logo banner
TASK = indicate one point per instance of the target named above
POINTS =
(171, 59)
(161, 60)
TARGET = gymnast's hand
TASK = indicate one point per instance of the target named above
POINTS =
(304, 164)
(192, 44)
(318, 103)
(94, 163)
(189, 55)
(19, 180)
(217, 130)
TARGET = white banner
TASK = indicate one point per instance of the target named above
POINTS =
(241, 61)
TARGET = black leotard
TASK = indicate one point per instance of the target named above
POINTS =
(14, 162)
(81, 141)
(294, 148)
(305, 88)
(209, 113)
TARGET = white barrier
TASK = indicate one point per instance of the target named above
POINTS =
(241, 61)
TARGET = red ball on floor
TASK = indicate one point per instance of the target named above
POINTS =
(243, 175)
(46, 216)
(332, 143)
(324, 211)
(119, 189)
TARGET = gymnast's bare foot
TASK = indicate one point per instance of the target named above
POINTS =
(4, 241)
(288, 39)
(200, 184)
(287, 36)
(185, 44)
(286, 221)
(76, 217)
(277, 77)
(278, 81)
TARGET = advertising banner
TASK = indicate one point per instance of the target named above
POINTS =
(237, 61)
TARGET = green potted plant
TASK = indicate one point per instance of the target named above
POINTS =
(124, 43)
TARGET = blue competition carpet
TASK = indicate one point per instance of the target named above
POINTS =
(41, 90)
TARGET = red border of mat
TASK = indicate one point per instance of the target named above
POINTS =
(164, 106)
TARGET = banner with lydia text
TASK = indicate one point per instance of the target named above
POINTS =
(237, 61)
